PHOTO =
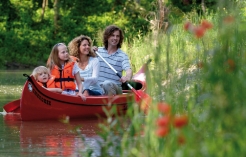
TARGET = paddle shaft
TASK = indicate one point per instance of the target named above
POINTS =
(116, 72)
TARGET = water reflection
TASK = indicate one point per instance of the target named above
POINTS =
(53, 138)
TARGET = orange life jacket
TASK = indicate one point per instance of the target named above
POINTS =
(49, 84)
(64, 78)
(75, 59)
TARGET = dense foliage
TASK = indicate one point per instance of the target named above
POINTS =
(201, 6)
(196, 80)
(189, 5)
(30, 28)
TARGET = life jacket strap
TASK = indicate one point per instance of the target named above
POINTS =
(63, 79)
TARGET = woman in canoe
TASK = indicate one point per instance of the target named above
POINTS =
(65, 70)
(80, 48)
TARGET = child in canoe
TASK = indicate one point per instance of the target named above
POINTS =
(44, 79)
(65, 70)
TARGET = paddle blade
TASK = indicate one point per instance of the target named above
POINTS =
(143, 99)
(12, 106)
(145, 102)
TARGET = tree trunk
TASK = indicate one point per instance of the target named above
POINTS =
(56, 16)
(203, 6)
(163, 11)
(45, 2)
(161, 14)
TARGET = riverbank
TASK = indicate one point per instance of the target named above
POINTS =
(17, 66)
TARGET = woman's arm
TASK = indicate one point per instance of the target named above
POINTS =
(79, 84)
(78, 81)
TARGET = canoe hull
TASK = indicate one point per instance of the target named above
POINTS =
(38, 103)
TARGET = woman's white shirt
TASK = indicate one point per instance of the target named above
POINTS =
(90, 75)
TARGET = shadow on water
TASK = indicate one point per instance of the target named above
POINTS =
(48, 138)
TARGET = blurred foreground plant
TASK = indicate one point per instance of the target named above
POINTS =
(203, 80)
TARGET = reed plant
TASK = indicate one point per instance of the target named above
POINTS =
(197, 83)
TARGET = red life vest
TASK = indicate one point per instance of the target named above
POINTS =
(64, 78)
(49, 84)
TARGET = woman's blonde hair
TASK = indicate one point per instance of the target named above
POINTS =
(74, 45)
(38, 70)
(54, 59)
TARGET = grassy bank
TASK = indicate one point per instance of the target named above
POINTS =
(11, 84)
(197, 82)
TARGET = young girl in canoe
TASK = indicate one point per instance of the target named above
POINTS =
(80, 47)
(44, 79)
(65, 70)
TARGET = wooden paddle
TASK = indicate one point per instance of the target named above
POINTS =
(11, 106)
(141, 97)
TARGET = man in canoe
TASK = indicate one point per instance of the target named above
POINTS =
(114, 56)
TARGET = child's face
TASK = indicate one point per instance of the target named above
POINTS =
(63, 52)
(43, 77)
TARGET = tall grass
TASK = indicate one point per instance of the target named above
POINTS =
(201, 78)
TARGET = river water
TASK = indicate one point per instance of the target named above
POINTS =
(41, 138)
(47, 138)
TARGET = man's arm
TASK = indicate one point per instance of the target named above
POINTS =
(128, 76)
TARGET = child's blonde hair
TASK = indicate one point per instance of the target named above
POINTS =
(39, 70)
(54, 59)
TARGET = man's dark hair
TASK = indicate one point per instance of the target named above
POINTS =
(108, 32)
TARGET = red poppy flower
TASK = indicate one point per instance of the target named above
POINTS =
(145, 103)
(163, 121)
(187, 26)
(164, 107)
(180, 121)
(162, 131)
(206, 24)
(199, 31)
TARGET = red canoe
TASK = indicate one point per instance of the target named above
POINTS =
(37, 103)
